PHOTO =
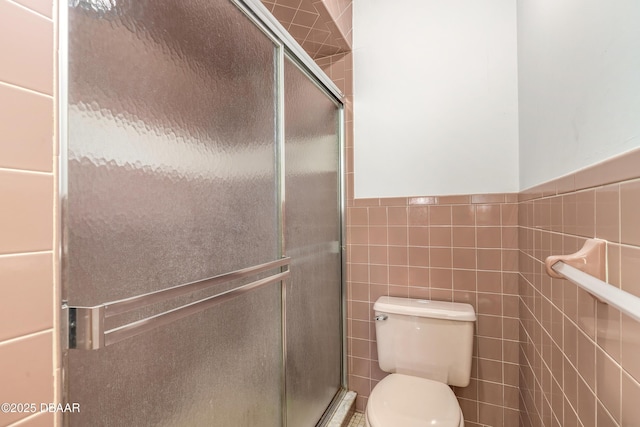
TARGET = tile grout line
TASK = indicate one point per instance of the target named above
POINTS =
(23, 7)
(25, 337)
(25, 89)
(18, 254)
(25, 171)
(25, 420)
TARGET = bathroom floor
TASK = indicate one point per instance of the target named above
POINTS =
(357, 420)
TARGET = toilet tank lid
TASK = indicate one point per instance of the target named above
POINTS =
(426, 308)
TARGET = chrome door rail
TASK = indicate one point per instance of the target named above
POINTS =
(86, 324)
(122, 306)
(265, 17)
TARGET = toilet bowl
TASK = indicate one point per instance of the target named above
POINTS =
(406, 401)
(425, 346)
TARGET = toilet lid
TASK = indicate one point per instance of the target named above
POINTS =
(406, 401)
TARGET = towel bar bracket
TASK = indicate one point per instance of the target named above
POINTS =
(587, 270)
(86, 327)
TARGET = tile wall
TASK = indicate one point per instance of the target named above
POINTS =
(452, 248)
(322, 27)
(576, 356)
(580, 363)
(393, 257)
(28, 371)
(340, 69)
(341, 12)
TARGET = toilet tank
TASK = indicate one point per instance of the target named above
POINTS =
(429, 339)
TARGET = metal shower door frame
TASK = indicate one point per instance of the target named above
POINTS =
(292, 56)
(285, 46)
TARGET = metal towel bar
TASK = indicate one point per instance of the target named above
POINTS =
(86, 324)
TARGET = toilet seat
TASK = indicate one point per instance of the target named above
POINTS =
(406, 401)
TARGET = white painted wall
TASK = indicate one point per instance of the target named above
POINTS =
(435, 108)
(579, 84)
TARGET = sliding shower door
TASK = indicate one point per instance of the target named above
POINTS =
(312, 236)
(172, 179)
(201, 255)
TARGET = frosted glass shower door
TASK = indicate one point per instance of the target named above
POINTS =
(172, 179)
(312, 236)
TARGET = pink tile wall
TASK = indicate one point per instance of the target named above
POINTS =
(340, 69)
(456, 248)
(322, 27)
(28, 368)
(576, 360)
(340, 13)
(451, 248)
(579, 358)
(573, 362)
(461, 248)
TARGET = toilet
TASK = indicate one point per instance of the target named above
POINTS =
(426, 346)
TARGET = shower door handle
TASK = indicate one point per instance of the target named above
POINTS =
(86, 325)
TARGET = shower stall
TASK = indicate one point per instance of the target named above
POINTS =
(202, 230)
